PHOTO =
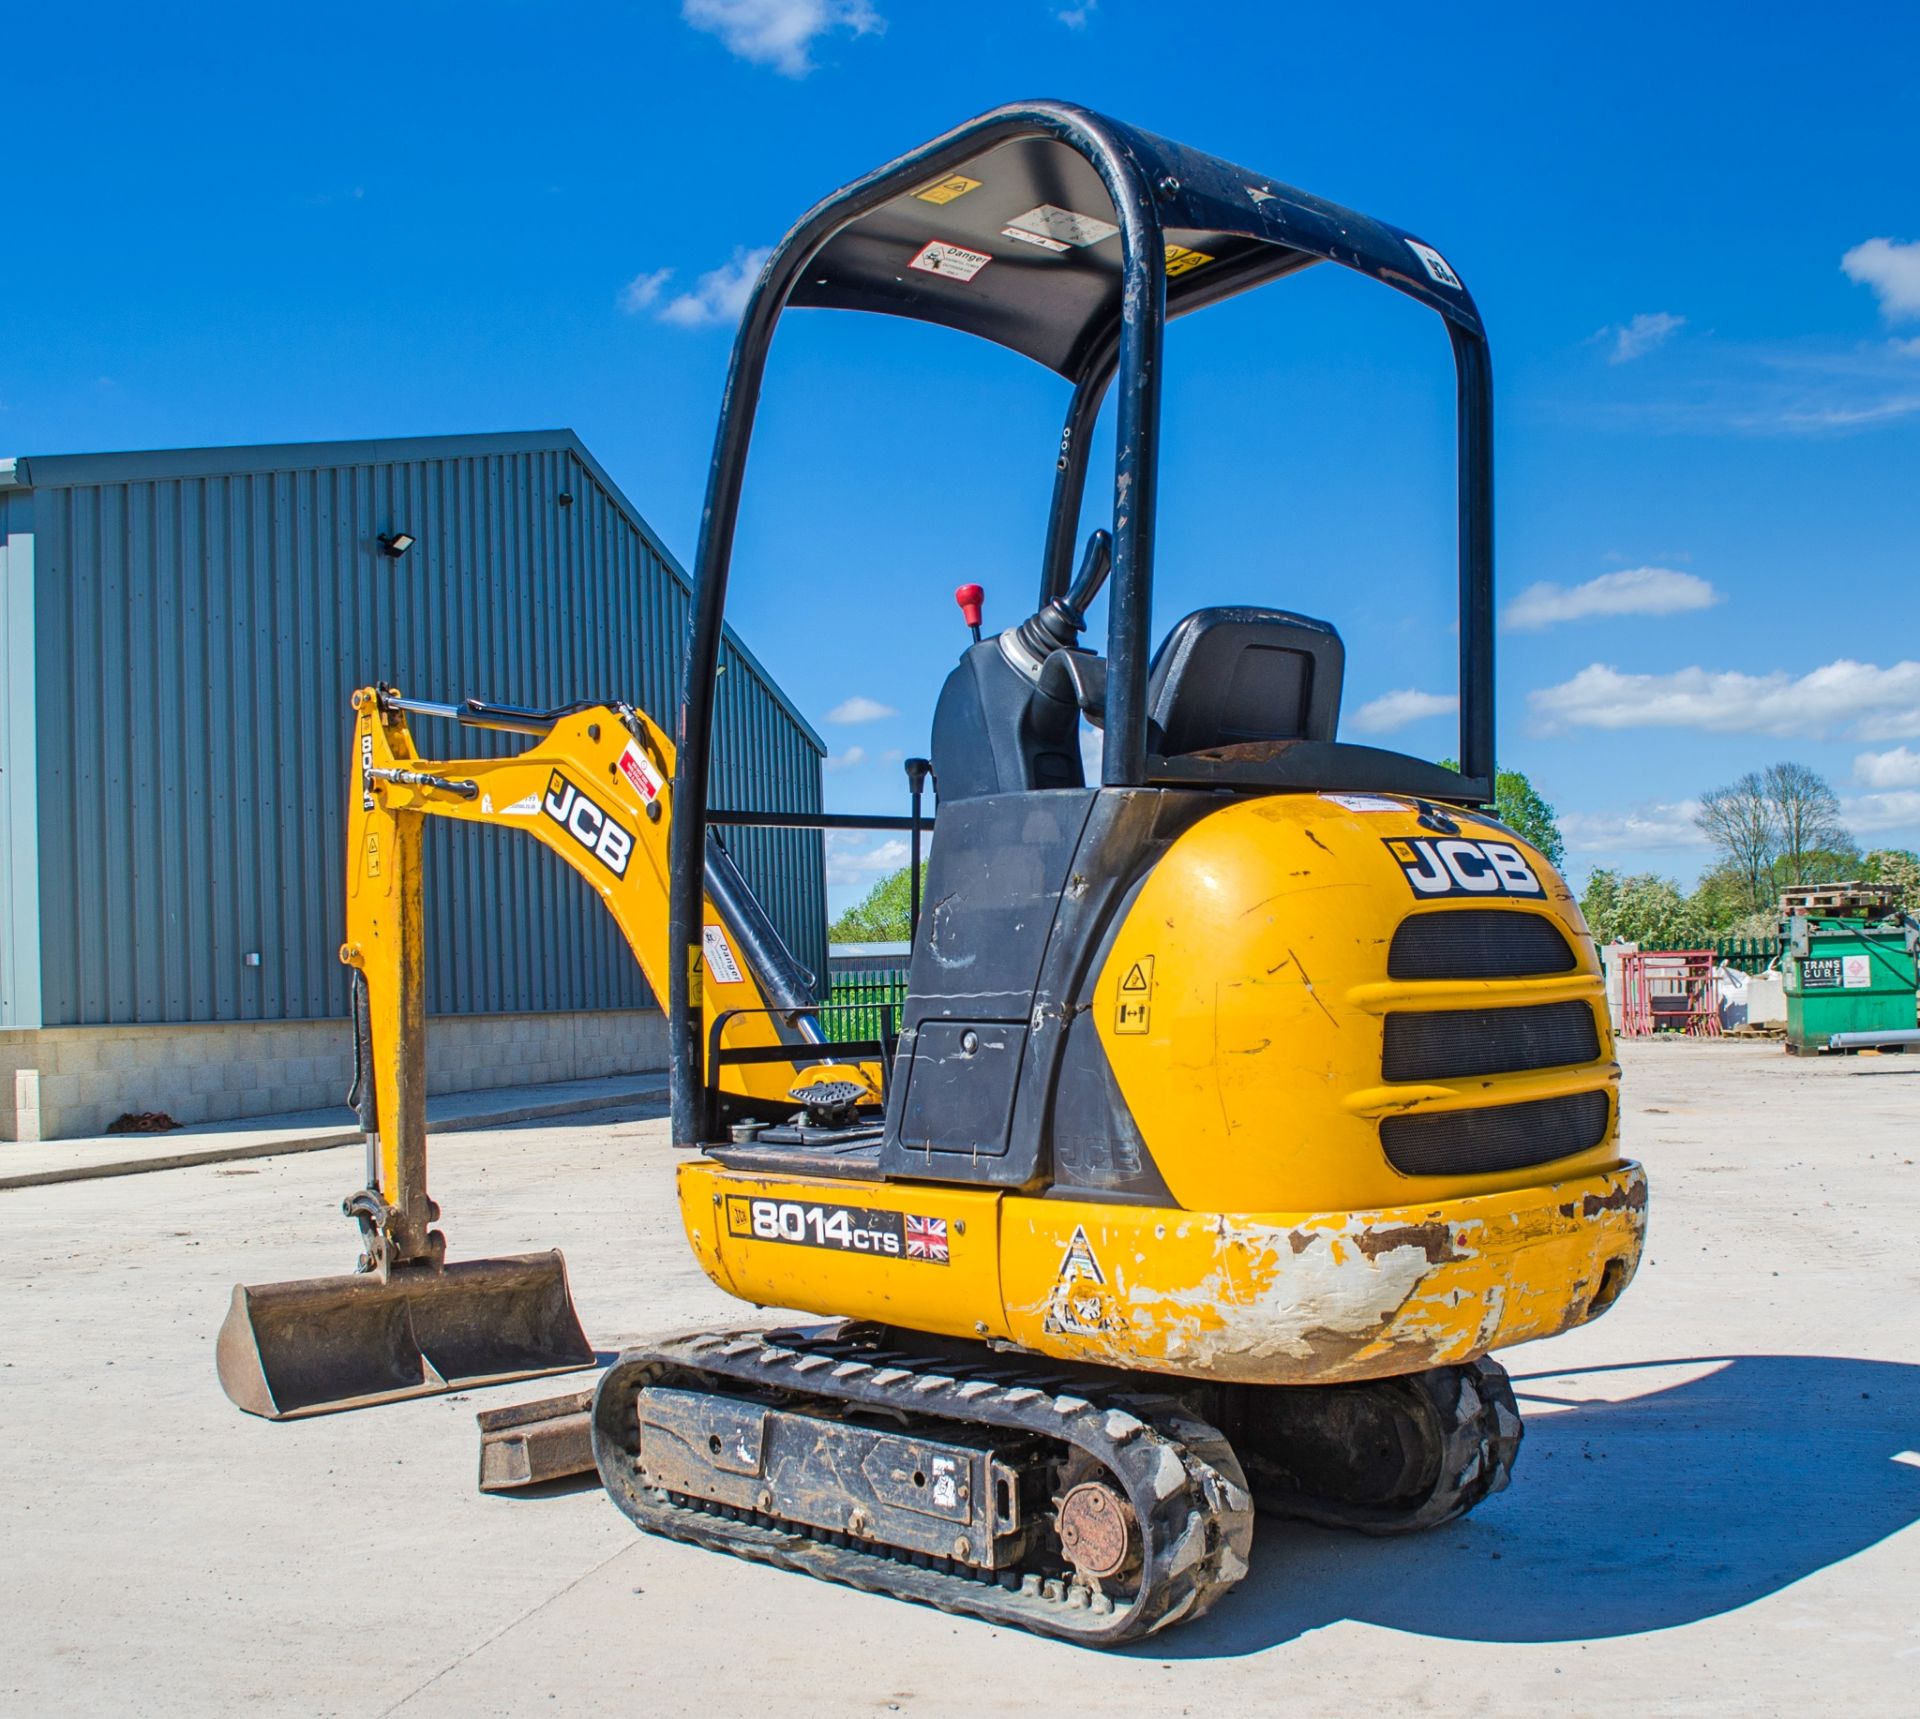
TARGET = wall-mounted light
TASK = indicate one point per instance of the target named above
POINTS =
(395, 543)
(565, 498)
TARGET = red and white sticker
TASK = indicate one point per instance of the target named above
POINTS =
(936, 257)
(638, 769)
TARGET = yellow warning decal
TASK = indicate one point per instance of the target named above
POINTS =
(1182, 261)
(1133, 1008)
(945, 191)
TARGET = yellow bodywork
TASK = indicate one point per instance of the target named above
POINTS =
(592, 790)
(1241, 1006)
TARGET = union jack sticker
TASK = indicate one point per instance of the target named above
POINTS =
(927, 1239)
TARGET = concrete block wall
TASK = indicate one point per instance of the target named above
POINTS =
(66, 1082)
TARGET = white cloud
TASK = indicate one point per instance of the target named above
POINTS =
(1075, 17)
(1872, 813)
(779, 33)
(1667, 824)
(640, 292)
(1635, 339)
(1396, 709)
(1633, 591)
(1899, 768)
(856, 861)
(851, 759)
(1870, 702)
(860, 708)
(1794, 388)
(1093, 751)
(1892, 270)
(720, 295)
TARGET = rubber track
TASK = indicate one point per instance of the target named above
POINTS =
(1179, 1474)
(1477, 1422)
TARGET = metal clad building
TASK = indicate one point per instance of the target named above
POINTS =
(182, 632)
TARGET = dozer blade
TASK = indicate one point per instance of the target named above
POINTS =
(323, 1344)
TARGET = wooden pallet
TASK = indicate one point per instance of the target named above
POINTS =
(1857, 900)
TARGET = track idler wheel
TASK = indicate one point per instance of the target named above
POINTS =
(1386, 1456)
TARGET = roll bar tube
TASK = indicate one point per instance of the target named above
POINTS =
(1143, 308)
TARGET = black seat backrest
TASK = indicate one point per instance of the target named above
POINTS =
(1228, 676)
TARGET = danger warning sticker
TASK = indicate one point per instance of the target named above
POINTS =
(1133, 1008)
(1435, 264)
(938, 258)
(1181, 261)
(1063, 226)
(944, 191)
(638, 770)
(1079, 1262)
(720, 961)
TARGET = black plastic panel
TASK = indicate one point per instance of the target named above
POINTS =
(1483, 1142)
(1442, 1044)
(960, 1088)
(1478, 943)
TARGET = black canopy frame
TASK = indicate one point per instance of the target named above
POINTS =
(1060, 294)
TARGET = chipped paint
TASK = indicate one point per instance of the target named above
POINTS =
(1267, 1299)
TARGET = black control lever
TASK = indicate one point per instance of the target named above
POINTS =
(1096, 562)
(1059, 625)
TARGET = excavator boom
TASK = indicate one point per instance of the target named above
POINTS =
(595, 788)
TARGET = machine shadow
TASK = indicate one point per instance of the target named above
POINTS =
(1645, 1496)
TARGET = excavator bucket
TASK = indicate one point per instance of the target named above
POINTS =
(322, 1344)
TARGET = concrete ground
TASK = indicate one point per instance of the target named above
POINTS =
(79, 1159)
(1713, 1513)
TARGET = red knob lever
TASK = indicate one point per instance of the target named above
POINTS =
(970, 597)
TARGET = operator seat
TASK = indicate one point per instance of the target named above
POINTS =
(1229, 676)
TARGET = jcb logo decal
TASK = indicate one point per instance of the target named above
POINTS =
(591, 827)
(1457, 866)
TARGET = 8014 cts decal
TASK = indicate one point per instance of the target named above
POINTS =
(847, 1229)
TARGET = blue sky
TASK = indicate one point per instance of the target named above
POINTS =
(1694, 233)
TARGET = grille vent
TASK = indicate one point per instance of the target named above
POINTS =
(1507, 1137)
(1444, 1044)
(1478, 943)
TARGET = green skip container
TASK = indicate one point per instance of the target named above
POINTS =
(1849, 983)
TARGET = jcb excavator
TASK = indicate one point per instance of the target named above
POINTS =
(1245, 1099)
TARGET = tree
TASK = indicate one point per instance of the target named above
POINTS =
(1521, 806)
(1807, 826)
(1899, 867)
(1778, 828)
(1722, 900)
(1642, 908)
(1739, 822)
(882, 916)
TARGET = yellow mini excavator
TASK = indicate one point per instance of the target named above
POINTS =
(1244, 1100)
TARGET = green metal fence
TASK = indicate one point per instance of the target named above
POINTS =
(1748, 954)
(867, 1005)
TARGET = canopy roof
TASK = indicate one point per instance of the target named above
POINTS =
(1020, 242)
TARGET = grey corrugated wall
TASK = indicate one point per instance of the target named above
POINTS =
(198, 637)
